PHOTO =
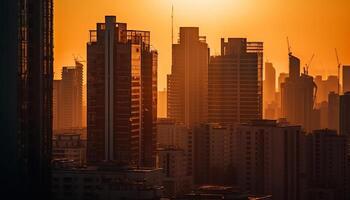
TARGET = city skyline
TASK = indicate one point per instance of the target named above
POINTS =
(314, 29)
(151, 111)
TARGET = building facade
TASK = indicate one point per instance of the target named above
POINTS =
(26, 104)
(346, 79)
(188, 82)
(107, 182)
(121, 95)
(298, 95)
(269, 159)
(176, 135)
(213, 154)
(326, 165)
(235, 82)
(71, 97)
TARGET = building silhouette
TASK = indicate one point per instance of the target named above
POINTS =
(121, 95)
(213, 153)
(333, 111)
(324, 87)
(71, 97)
(326, 165)
(298, 94)
(176, 135)
(187, 85)
(26, 75)
(162, 103)
(346, 78)
(56, 101)
(269, 83)
(269, 159)
(344, 114)
(235, 82)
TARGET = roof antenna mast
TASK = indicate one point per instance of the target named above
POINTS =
(172, 24)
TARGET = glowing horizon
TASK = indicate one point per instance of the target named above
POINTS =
(313, 27)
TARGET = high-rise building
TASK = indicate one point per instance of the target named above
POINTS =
(326, 165)
(56, 101)
(84, 107)
(213, 153)
(149, 89)
(235, 82)
(269, 83)
(281, 79)
(298, 96)
(162, 104)
(188, 82)
(269, 159)
(121, 95)
(71, 97)
(344, 107)
(333, 111)
(346, 78)
(324, 87)
(26, 75)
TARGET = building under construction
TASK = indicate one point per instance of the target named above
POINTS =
(298, 94)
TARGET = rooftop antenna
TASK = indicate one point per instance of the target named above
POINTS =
(339, 65)
(172, 24)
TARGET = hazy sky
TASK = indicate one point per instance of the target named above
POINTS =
(313, 27)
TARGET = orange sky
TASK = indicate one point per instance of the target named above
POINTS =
(313, 26)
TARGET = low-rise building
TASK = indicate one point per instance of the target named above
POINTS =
(106, 182)
(69, 147)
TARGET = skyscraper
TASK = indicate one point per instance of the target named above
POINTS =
(346, 78)
(298, 96)
(270, 83)
(188, 82)
(235, 82)
(71, 97)
(333, 111)
(162, 104)
(26, 75)
(121, 97)
(345, 114)
(149, 65)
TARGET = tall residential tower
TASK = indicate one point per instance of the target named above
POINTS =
(121, 95)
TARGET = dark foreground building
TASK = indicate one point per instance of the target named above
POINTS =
(26, 73)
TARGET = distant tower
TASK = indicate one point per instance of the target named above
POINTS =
(238, 68)
(188, 82)
(71, 97)
(298, 96)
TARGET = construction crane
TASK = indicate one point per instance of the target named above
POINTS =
(289, 48)
(339, 65)
(307, 65)
(78, 60)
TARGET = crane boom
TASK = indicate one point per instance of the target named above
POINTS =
(339, 65)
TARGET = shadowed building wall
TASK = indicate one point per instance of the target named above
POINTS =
(26, 75)
(188, 81)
